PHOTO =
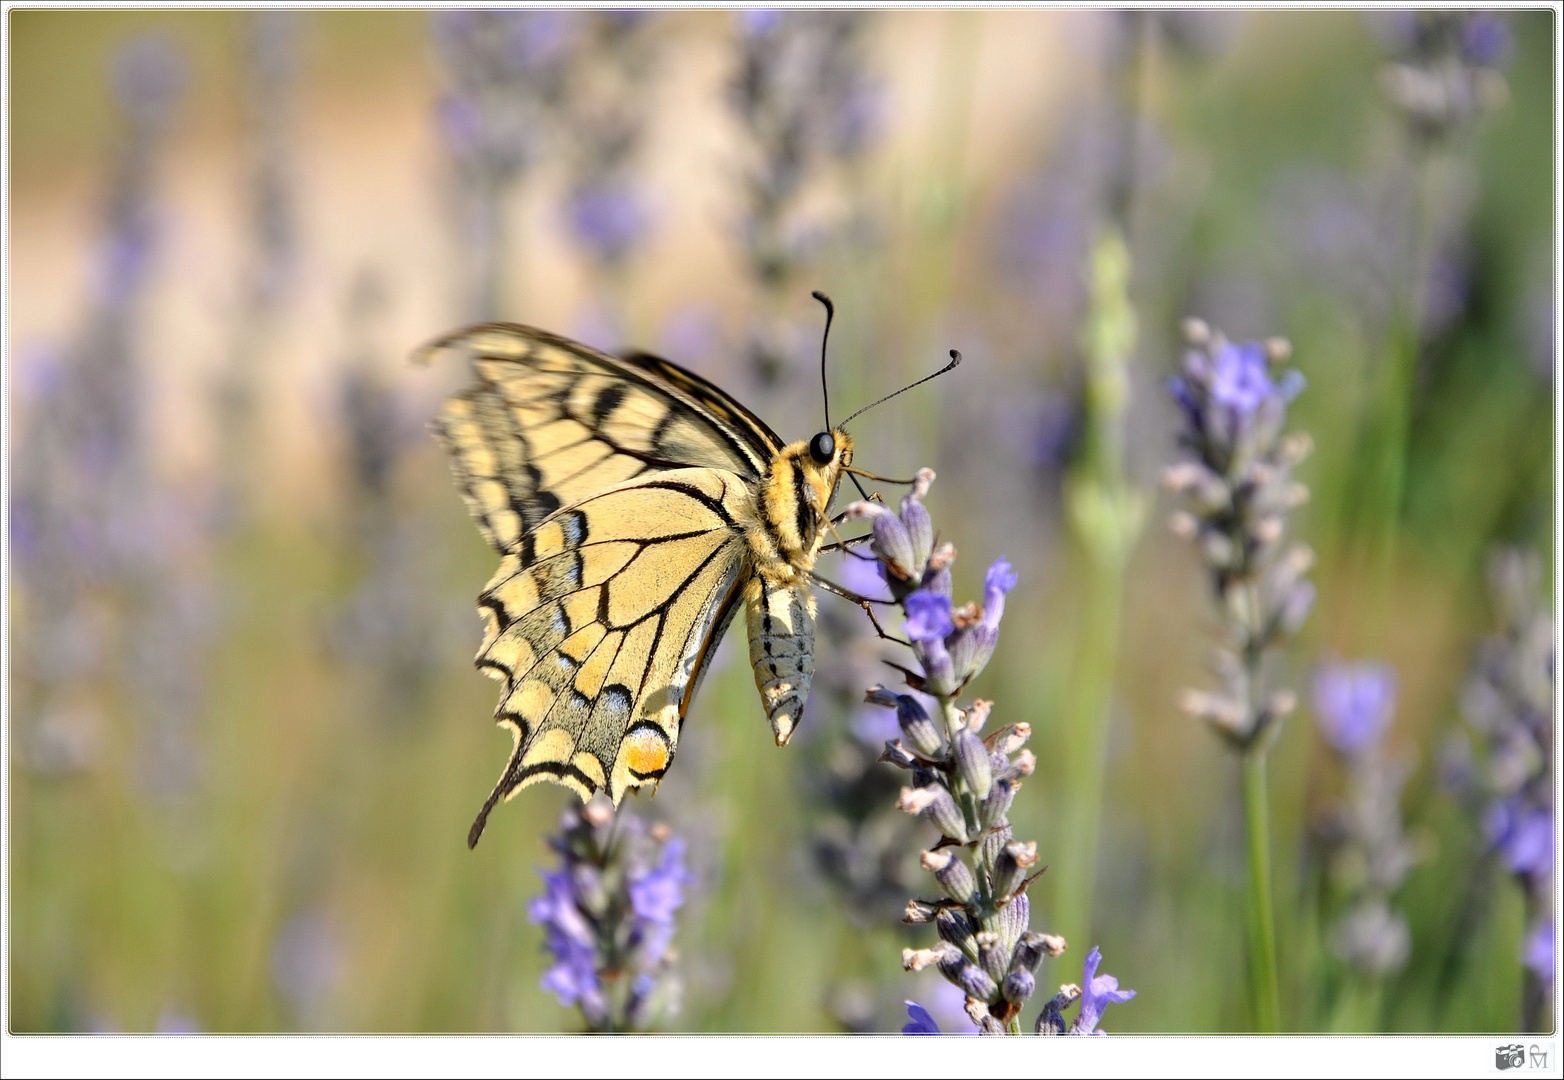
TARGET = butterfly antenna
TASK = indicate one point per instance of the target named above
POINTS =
(955, 358)
(830, 313)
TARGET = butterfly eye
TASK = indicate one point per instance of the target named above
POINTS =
(822, 448)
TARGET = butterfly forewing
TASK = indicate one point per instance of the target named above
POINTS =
(549, 422)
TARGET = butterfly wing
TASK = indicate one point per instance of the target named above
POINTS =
(602, 628)
(549, 422)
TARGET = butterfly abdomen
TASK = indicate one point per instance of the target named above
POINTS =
(781, 649)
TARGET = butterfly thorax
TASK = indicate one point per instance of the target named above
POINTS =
(793, 499)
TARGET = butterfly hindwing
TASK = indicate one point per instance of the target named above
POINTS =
(601, 622)
(549, 422)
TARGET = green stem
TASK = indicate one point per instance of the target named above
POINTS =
(1086, 742)
(1106, 515)
(1262, 923)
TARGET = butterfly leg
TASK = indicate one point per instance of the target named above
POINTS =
(847, 545)
(865, 602)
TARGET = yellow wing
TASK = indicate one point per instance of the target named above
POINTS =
(602, 627)
(550, 422)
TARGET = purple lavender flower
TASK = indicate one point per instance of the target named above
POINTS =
(1097, 993)
(1353, 704)
(1240, 381)
(928, 617)
(921, 1022)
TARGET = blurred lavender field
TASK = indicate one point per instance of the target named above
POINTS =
(245, 739)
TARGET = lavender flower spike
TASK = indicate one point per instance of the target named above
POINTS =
(608, 918)
(964, 784)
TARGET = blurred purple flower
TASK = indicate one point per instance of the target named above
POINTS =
(1097, 993)
(1240, 381)
(608, 218)
(659, 892)
(306, 963)
(1353, 704)
(1524, 835)
(1486, 39)
(573, 977)
(149, 76)
(874, 727)
(863, 575)
(172, 1021)
(1540, 951)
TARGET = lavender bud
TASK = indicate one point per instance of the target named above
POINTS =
(1217, 549)
(972, 763)
(1011, 866)
(993, 844)
(918, 959)
(920, 530)
(994, 808)
(956, 927)
(964, 648)
(1018, 986)
(920, 911)
(1025, 764)
(949, 959)
(1013, 918)
(935, 804)
(977, 715)
(1008, 740)
(895, 754)
(987, 1025)
(878, 695)
(1296, 607)
(598, 812)
(920, 731)
(973, 980)
(1031, 949)
(1051, 1020)
(894, 547)
(936, 579)
(991, 955)
(953, 875)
